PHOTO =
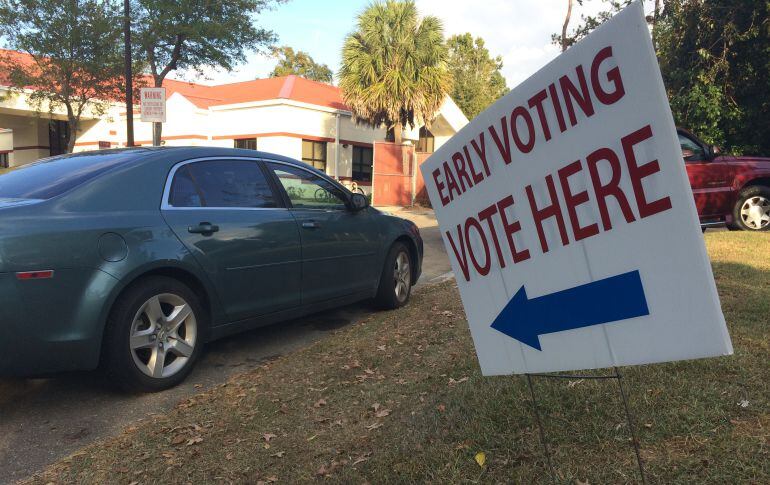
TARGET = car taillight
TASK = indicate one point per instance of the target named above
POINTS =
(35, 275)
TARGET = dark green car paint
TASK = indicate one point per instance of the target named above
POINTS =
(261, 267)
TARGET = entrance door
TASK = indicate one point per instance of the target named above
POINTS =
(57, 136)
(230, 219)
(339, 246)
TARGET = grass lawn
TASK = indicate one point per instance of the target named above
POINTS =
(399, 399)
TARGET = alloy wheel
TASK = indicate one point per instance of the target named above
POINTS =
(755, 212)
(164, 333)
(402, 275)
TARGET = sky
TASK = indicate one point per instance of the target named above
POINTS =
(518, 30)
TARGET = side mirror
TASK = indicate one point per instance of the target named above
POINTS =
(358, 202)
(687, 153)
(715, 150)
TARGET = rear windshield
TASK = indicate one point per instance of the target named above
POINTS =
(54, 176)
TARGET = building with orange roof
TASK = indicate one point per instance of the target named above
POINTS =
(289, 115)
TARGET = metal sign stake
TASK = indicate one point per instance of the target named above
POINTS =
(629, 418)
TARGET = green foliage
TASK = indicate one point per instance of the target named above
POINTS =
(76, 55)
(394, 66)
(197, 34)
(477, 81)
(301, 64)
(715, 59)
(193, 35)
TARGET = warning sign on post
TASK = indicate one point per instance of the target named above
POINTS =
(153, 103)
(569, 220)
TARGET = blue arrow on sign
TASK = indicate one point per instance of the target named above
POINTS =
(604, 301)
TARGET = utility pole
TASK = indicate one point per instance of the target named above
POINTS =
(128, 74)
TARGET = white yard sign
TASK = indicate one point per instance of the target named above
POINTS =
(569, 220)
(153, 103)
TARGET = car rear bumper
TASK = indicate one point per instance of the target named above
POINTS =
(52, 325)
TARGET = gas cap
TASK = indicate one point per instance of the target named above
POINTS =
(112, 247)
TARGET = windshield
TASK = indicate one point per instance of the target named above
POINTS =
(54, 176)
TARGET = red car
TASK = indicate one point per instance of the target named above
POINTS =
(728, 189)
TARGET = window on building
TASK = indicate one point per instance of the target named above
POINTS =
(362, 164)
(314, 153)
(245, 143)
(427, 142)
(4, 160)
(57, 136)
(221, 183)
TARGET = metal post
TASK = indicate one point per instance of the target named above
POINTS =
(629, 419)
(540, 428)
(128, 74)
(337, 146)
(631, 426)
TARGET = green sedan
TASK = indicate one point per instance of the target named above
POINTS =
(130, 260)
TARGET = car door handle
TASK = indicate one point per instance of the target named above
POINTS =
(310, 225)
(203, 228)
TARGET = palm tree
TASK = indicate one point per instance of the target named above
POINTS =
(394, 67)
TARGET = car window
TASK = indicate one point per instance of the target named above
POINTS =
(54, 176)
(686, 143)
(307, 190)
(221, 183)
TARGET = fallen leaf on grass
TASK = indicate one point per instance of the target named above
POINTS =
(362, 458)
(268, 436)
(382, 413)
(319, 403)
(480, 458)
(194, 441)
(452, 382)
(178, 439)
(441, 408)
(374, 426)
(278, 454)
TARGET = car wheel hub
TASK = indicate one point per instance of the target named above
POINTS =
(402, 276)
(755, 212)
(163, 336)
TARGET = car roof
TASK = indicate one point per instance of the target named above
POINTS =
(177, 154)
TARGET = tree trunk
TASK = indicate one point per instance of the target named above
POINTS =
(71, 136)
(72, 128)
(564, 43)
(398, 135)
(654, 24)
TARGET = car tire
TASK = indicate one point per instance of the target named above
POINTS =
(395, 285)
(752, 209)
(154, 336)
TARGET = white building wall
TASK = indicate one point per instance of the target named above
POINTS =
(282, 145)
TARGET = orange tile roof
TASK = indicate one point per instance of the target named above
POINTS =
(286, 87)
(204, 96)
